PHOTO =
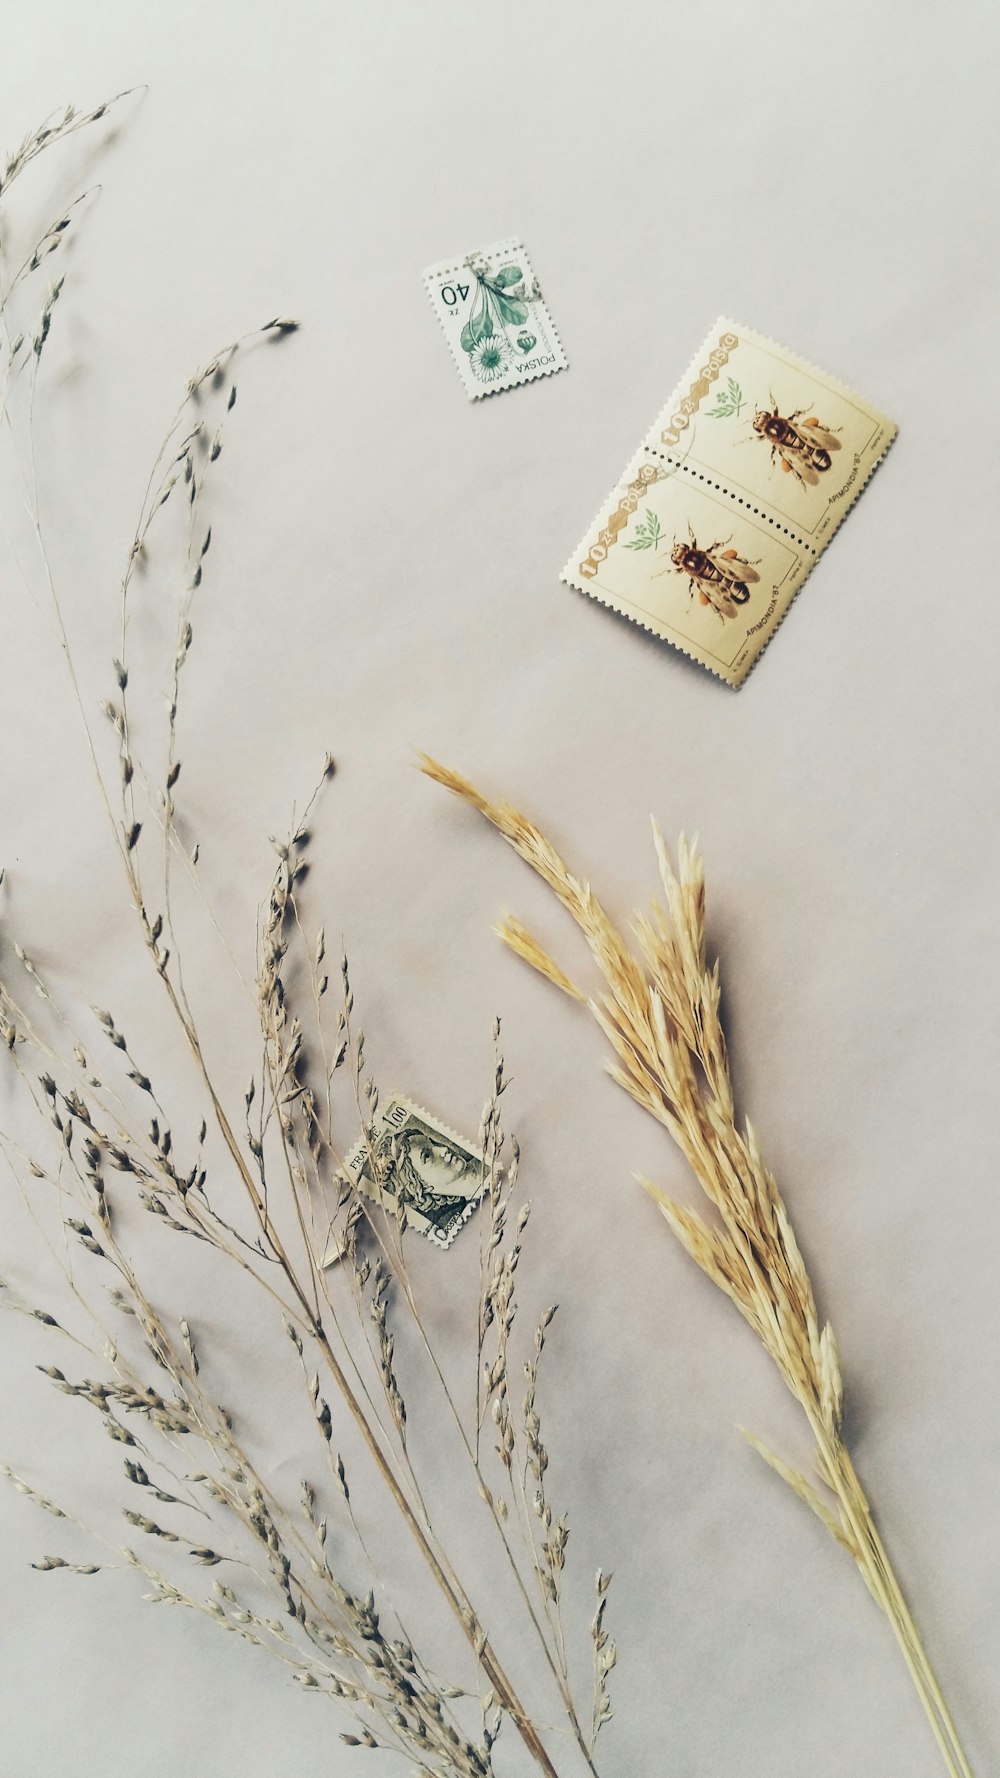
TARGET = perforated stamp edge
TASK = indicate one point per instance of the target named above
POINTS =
(451, 268)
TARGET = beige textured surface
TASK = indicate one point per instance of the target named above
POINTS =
(387, 576)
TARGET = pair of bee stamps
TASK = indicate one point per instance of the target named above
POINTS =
(732, 497)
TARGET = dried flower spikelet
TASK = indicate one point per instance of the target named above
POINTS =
(524, 945)
(805, 1491)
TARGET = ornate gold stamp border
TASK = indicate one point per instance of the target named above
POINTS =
(728, 342)
(648, 472)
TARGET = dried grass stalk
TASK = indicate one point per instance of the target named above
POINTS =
(659, 1010)
(260, 1185)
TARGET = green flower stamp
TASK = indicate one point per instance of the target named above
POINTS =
(497, 325)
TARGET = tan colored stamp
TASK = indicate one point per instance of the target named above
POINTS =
(730, 500)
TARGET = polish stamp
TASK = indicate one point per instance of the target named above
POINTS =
(730, 500)
(499, 329)
(419, 1164)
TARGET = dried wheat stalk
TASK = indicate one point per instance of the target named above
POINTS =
(660, 1012)
(112, 1170)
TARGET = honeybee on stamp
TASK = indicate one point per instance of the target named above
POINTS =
(803, 447)
(721, 577)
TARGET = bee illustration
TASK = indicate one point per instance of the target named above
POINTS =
(801, 446)
(721, 577)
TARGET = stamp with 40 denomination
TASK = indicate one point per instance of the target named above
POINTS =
(491, 308)
(416, 1163)
(731, 499)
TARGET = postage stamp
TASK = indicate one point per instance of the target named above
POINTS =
(731, 499)
(492, 312)
(423, 1165)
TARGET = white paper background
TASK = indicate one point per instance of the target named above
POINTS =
(386, 576)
